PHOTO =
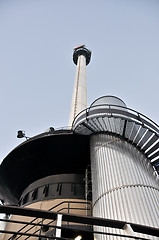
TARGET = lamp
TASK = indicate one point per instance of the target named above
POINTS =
(21, 134)
(79, 237)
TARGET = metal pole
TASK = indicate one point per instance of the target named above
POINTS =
(59, 223)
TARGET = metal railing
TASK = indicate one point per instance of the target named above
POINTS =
(76, 219)
(68, 207)
(111, 110)
(123, 122)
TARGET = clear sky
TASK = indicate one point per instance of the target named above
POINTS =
(36, 69)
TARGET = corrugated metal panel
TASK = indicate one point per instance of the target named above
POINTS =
(124, 186)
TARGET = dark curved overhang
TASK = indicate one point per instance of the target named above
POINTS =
(47, 154)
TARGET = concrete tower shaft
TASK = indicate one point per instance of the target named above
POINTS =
(81, 58)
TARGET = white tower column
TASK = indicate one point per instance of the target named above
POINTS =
(79, 97)
(81, 58)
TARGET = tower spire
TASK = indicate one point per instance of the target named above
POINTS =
(81, 57)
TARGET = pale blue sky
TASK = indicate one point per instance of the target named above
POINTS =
(36, 69)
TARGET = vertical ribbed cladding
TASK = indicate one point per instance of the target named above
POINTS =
(124, 186)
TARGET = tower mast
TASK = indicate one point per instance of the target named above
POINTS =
(81, 57)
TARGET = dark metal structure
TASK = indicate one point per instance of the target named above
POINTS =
(135, 127)
(81, 50)
(50, 153)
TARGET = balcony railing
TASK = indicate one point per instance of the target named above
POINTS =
(62, 231)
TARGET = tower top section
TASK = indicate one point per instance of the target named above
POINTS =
(81, 50)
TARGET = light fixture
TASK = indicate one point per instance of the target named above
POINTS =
(79, 237)
(21, 134)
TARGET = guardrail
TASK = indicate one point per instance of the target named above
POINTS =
(123, 122)
(111, 110)
(73, 219)
(68, 207)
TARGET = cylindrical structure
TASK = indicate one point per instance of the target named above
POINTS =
(81, 57)
(43, 174)
(123, 184)
(123, 148)
(63, 193)
(79, 97)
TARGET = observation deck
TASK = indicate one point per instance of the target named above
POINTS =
(81, 50)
